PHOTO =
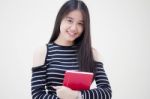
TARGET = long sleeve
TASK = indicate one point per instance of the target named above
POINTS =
(103, 90)
(38, 84)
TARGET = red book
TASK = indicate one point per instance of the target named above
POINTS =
(78, 80)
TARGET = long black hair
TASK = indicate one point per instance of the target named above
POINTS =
(84, 55)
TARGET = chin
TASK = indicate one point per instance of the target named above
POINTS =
(71, 39)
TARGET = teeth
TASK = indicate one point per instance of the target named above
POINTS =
(72, 34)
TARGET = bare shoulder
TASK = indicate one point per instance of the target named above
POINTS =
(96, 55)
(39, 55)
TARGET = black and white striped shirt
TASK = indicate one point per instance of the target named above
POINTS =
(58, 60)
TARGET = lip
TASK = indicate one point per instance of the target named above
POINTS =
(71, 34)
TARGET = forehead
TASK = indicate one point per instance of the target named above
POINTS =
(75, 14)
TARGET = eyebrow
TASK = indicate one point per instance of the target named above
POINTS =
(72, 19)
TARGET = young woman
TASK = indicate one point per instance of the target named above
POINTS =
(68, 49)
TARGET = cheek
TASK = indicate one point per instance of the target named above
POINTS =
(62, 27)
(80, 30)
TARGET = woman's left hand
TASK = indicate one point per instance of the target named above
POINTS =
(66, 93)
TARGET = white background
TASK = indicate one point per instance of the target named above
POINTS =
(120, 32)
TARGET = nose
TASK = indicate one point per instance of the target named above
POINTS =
(73, 28)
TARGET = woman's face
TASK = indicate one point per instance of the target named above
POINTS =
(71, 26)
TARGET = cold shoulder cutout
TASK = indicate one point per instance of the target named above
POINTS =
(96, 55)
(39, 56)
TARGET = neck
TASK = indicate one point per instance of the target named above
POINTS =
(62, 42)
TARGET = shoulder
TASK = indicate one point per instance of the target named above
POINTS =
(39, 55)
(96, 55)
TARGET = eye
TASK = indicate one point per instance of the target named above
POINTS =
(69, 21)
(80, 24)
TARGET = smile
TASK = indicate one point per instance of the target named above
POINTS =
(71, 34)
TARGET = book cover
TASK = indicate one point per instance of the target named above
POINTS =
(78, 80)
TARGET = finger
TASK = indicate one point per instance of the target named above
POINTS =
(56, 87)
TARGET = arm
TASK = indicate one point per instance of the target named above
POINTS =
(103, 90)
(38, 81)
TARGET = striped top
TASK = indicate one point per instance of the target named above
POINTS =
(58, 60)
